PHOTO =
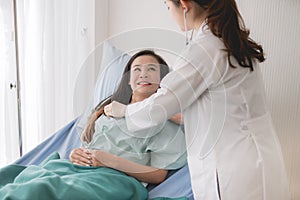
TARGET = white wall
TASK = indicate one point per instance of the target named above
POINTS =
(132, 14)
(273, 23)
(130, 17)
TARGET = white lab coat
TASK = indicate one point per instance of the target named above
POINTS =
(233, 150)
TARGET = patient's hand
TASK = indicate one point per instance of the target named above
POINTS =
(96, 159)
(81, 156)
(102, 158)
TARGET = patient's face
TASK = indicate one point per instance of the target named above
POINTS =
(145, 75)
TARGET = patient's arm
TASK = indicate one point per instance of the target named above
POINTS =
(142, 173)
(81, 156)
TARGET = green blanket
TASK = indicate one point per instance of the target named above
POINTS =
(59, 179)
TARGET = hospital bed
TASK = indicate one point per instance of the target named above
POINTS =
(65, 140)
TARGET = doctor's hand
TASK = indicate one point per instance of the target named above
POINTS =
(115, 109)
(178, 119)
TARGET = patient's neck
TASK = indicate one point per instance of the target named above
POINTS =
(136, 96)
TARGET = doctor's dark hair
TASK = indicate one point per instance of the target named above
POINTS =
(226, 22)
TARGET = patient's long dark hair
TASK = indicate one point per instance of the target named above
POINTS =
(123, 93)
(225, 22)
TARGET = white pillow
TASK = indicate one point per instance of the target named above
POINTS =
(111, 70)
(112, 67)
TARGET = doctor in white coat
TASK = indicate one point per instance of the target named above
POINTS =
(233, 150)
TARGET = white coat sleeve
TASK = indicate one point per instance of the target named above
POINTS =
(193, 74)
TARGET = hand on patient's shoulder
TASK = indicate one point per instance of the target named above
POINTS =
(115, 109)
(178, 119)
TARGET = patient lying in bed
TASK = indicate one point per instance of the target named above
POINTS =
(112, 164)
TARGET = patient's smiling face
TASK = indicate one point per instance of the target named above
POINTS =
(144, 75)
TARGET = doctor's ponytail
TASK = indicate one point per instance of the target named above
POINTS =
(225, 22)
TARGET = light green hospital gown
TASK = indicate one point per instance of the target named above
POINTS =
(56, 178)
(162, 146)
